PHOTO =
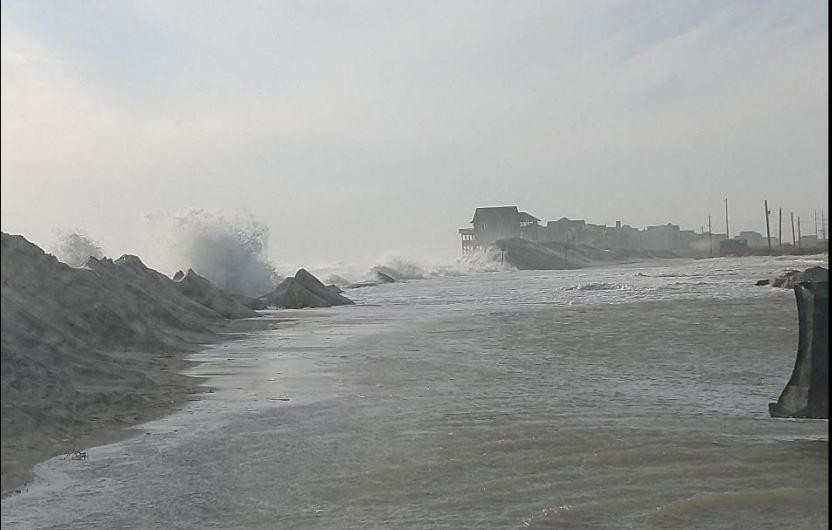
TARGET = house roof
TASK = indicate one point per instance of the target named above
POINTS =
(491, 211)
(526, 216)
(566, 220)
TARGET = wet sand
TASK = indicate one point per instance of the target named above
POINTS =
(162, 390)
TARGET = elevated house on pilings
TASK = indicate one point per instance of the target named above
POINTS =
(469, 243)
(498, 222)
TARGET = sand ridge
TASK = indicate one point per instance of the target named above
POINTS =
(88, 351)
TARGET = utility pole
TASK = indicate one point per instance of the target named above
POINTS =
(816, 222)
(798, 232)
(727, 232)
(768, 231)
(780, 227)
(822, 225)
(710, 245)
(794, 242)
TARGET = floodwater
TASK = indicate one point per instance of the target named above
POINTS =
(624, 397)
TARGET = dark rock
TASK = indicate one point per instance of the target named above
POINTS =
(383, 277)
(203, 291)
(334, 288)
(762, 282)
(384, 274)
(814, 274)
(314, 285)
(807, 393)
(303, 290)
(290, 295)
(790, 278)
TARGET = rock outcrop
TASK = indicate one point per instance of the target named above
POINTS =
(302, 290)
(206, 293)
(807, 393)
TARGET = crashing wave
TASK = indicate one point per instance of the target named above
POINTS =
(408, 268)
(75, 248)
(231, 253)
(402, 268)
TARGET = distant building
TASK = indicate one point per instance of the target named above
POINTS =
(623, 237)
(809, 241)
(662, 237)
(505, 222)
(690, 240)
(733, 247)
(498, 222)
(563, 230)
(529, 227)
(754, 239)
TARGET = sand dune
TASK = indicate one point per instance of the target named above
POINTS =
(87, 351)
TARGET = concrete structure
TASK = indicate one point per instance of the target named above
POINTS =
(807, 393)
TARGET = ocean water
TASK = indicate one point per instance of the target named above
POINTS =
(623, 397)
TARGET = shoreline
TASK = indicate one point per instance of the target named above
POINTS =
(166, 390)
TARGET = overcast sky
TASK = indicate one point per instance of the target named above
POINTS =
(357, 128)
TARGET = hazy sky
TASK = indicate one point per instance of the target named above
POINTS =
(357, 128)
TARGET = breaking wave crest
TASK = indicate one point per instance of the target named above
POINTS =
(75, 248)
(600, 286)
(406, 268)
(412, 268)
(231, 252)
